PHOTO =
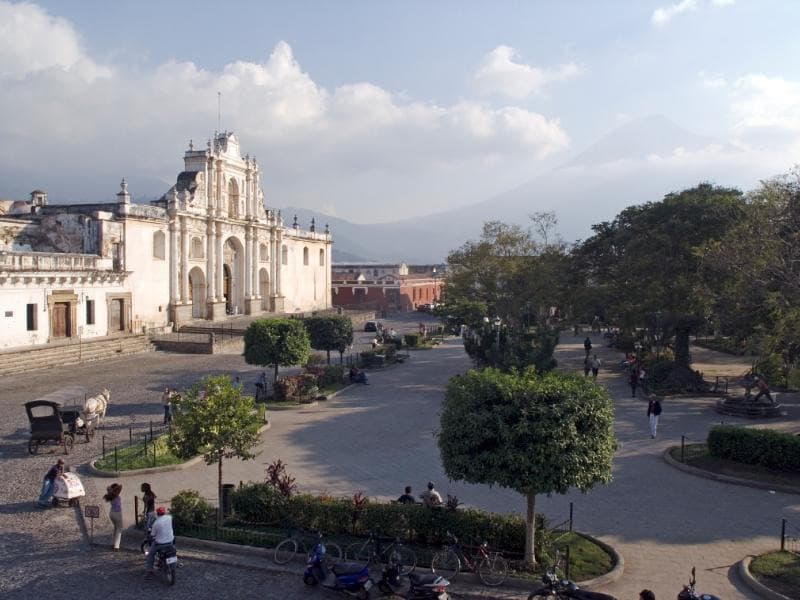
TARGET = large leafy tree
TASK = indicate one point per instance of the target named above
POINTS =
(648, 260)
(330, 333)
(536, 434)
(276, 343)
(213, 417)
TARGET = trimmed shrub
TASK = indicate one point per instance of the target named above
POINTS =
(295, 385)
(762, 447)
(187, 507)
(412, 339)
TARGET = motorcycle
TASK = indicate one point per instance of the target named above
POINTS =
(352, 579)
(562, 589)
(688, 592)
(428, 586)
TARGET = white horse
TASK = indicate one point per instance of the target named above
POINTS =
(95, 406)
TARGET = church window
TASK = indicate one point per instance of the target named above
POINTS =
(197, 250)
(32, 317)
(305, 257)
(322, 258)
(233, 199)
(90, 312)
(284, 255)
(159, 245)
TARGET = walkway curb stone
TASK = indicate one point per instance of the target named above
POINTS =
(93, 470)
(743, 568)
(777, 487)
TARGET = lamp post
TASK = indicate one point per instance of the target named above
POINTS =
(497, 323)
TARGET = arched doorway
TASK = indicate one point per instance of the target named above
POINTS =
(233, 276)
(197, 293)
(263, 288)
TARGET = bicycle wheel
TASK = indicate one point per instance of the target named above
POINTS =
(493, 569)
(285, 551)
(446, 564)
(402, 556)
(333, 553)
(358, 551)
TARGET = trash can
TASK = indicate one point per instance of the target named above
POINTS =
(227, 499)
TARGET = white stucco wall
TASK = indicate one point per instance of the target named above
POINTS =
(306, 287)
(149, 281)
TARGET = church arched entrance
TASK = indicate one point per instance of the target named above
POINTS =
(233, 276)
(197, 293)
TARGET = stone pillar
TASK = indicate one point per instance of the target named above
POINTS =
(173, 264)
(248, 260)
(184, 275)
(218, 308)
(278, 302)
(211, 290)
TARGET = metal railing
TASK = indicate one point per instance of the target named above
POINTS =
(790, 537)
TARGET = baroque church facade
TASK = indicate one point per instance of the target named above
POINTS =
(208, 249)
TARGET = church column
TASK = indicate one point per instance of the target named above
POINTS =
(254, 283)
(220, 259)
(184, 274)
(248, 261)
(211, 289)
(173, 261)
(278, 262)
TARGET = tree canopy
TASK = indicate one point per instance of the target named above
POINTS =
(213, 417)
(277, 343)
(330, 333)
(535, 434)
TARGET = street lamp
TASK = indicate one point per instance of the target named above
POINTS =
(497, 323)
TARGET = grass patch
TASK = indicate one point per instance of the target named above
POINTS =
(696, 455)
(779, 571)
(587, 559)
(135, 457)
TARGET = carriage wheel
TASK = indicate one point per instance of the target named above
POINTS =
(69, 441)
(33, 446)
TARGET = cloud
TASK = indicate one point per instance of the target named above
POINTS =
(664, 14)
(710, 80)
(343, 146)
(498, 73)
(766, 112)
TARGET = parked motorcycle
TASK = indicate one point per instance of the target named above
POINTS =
(563, 589)
(689, 593)
(426, 586)
(352, 579)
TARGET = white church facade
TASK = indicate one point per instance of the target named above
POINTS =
(208, 249)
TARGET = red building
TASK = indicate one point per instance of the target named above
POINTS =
(385, 287)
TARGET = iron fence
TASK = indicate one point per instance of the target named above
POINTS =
(790, 537)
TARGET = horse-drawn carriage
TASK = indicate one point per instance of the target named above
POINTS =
(50, 423)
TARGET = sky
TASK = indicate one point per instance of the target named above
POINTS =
(373, 111)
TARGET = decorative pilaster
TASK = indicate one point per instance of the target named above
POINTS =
(211, 289)
(173, 260)
(184, 275)
(248, 261)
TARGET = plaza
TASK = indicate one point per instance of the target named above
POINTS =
(378, 439)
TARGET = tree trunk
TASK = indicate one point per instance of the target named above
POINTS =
(275, 378)
(682, 346)
(530, 530)
(219, 491)
(329, 356)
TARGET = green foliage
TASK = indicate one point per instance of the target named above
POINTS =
(187, 507)
(764, 447)
(292, 386)
(412, 339)
(276, 342)
(327, 375)
(793, 379)
(330, 333)
(771, 368)
(512, 349)
(461, 311)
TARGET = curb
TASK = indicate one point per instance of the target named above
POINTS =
(292, 406)
(743, 569)
(95, 472)
(777, 487)
(613, 574)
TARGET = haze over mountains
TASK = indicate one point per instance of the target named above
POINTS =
(638, 162)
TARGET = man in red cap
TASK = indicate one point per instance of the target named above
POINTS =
(163, 538)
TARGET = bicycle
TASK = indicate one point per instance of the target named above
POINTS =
(288, 548)
(491, 567)
(395, 554)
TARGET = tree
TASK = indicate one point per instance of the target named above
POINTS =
(330, 333)
(276, 342)
(536, 434)
(213, 417)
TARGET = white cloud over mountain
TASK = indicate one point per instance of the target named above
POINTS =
(499, 73)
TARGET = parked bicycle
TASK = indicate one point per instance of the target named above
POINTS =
(562, 589)
(288, 548)
(491, 567)
(370, 550)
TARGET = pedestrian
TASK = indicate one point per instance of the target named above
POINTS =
(407, 498)
(430, 497)
(112, 496)
(149, 501)
(763, 389)
(653, 412)
(166, 401)
(587, 345)
(595, 364)
(587, 366)
(633, 380)
(643, 380)
(46, 495)
(647, 595)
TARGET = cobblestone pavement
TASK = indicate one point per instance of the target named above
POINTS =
(378, 438)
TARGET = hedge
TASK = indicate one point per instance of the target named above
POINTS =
(763, 447)
(259, 503)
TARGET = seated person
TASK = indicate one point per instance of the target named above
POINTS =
(357, 375)
(407, 498)
(431, 498)
(163, 538)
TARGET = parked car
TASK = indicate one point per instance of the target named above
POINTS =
(424, 307)
(371, 326)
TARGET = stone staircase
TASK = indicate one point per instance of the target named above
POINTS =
(35, 358)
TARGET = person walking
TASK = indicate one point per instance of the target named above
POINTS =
(763, 389)
(653, 412)
(595, 365)
(112, 496)
(166, 401)
(587, 345)
(643, 380)
(46, 495)
(149, 501)
(633, 380)
(587, 366)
